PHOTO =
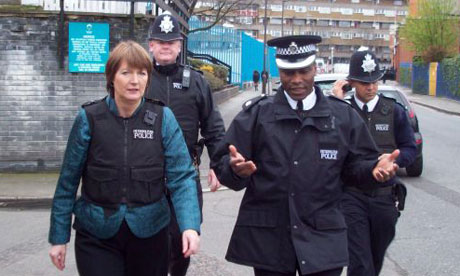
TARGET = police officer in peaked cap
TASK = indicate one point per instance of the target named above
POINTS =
(289, 151)
(371, 213)
(188, 94)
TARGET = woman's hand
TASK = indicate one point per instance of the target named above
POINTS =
(190, 243)
(57, 255)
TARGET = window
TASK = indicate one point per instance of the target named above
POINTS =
(300, 8)
(344, 24)
(324, 10)
(276, 21)
(322, 23)
(366, 25)
(390, 13)
(345, 36)
(368, 12)
(336, 10)
(358, 10)
(276, 7)
(346, 11)
(298, 22)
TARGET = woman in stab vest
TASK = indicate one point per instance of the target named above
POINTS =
(127, 151)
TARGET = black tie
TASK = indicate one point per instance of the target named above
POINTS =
(299, 106)
(365, 109)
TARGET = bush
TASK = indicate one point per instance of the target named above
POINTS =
(216, 75)
(214, 82)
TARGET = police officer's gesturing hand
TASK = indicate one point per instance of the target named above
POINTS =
(190, 243)
(239, 165)
(386, 167)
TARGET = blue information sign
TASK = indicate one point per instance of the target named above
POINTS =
(88, 47)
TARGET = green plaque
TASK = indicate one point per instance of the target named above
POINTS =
(88, 47)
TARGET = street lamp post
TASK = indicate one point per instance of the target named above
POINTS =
(332, 59)
(282, 17)
(264, 81)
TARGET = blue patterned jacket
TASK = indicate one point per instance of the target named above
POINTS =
(143, 221)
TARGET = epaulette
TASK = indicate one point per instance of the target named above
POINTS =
(250, 103)
(393, 100)
(332, 97)
(92, 102)
(155, 101)
(386, 97)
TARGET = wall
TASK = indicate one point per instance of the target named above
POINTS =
(38, 100)
(438, 79)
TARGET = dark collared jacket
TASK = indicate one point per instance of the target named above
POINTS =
(193, 107)
(390, 128)
(290, 210)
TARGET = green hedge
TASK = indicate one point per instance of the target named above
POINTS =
(216, 75)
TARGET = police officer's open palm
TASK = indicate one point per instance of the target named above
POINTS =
(57, 255)
(386, 167)
(239, 165)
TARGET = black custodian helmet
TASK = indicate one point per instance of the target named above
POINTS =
(364, 67)
(165, 28)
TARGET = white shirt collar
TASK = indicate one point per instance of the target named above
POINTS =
(308, 102)
(370, 104)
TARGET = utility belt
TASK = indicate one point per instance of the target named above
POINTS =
(398, 191)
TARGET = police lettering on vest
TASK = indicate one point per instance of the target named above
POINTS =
(382, 127)
(327, 154)
(143, 134)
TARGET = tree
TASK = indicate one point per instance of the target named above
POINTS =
(217, 10)
(434, 31)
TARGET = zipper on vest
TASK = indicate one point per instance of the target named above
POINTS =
(125, 159)
(167, 90)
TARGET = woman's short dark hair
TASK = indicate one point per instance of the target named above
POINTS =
(135, 56)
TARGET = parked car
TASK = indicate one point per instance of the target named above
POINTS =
(416, 168)
(326, 81)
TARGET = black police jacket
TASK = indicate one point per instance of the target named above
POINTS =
(290, 210)
(391, 129)
(125, 162)
(380, 123)
(193, 107)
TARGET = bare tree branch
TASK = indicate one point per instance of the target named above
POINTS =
(218, 11)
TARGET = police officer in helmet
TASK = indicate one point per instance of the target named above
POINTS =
(188, 94)
(289, 152)
(370, 213)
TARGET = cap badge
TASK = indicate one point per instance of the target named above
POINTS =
(166, 24)
(368, 64)
(293, 48)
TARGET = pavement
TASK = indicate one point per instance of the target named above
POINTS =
(17, 188)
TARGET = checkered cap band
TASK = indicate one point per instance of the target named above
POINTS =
(299, 50)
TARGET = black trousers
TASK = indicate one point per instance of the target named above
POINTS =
(122, 255)
(332, 272)
(178, 265)
(371, 223)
